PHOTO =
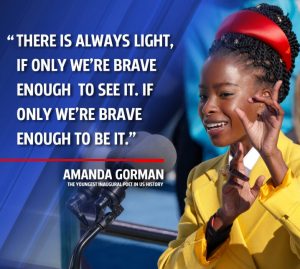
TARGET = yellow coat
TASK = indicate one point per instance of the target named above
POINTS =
(267, 236)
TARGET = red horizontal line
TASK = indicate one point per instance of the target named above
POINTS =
(80, 160)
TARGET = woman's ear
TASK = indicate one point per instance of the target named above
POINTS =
(261, 107)
(267, 93)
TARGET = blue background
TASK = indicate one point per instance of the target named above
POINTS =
(34, 225)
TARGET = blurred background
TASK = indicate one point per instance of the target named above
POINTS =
(36, 228)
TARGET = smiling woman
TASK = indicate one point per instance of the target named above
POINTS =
(225, 86)
(242, 209)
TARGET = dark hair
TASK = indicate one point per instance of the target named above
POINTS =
(260, 54)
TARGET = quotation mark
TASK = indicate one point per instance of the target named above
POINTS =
(10, 37)
(132, 134)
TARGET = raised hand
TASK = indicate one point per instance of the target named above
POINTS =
(264, 131)
(237, 195)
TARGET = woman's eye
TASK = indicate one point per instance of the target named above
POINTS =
(202, 97)
(225, 94)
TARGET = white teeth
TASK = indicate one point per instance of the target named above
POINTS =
(215, 125)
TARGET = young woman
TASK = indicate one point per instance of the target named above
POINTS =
(243, 208)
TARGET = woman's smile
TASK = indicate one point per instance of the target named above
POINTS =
(214, 128)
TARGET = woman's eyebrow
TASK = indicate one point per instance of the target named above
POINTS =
(222, 84)
(219, 85)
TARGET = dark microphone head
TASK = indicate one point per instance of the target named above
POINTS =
(77, 203)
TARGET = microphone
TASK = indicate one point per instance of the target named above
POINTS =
(145, 146)
(77, 203)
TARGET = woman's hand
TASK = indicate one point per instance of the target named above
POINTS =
(264, 131)
(237, 195)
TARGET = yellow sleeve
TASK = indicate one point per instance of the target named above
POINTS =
(188, 250)
(283, 202)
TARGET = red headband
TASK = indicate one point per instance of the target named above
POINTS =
(259, 26)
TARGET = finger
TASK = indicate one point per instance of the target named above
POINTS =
(276, 88)
(261, 99)
(237, 161)
(239, 158)
(237, 174)
(279, 109)
(244, 119)
(272, 106)
(237, 168)
(235, 182)
(258, 183)
(240, 154)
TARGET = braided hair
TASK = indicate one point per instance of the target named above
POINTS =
(256, 53)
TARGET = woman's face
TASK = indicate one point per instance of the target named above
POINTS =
(225, 85)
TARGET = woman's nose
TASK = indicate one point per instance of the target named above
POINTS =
(209, 107)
